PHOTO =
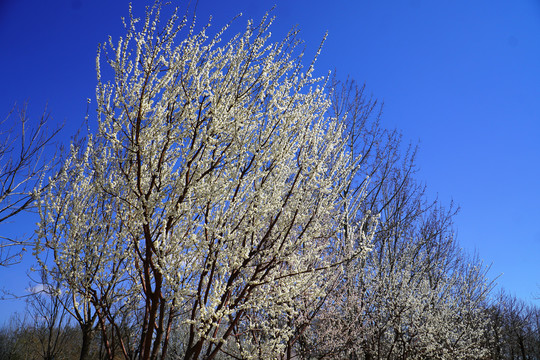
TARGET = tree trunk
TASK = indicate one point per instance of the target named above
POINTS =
(87, 336)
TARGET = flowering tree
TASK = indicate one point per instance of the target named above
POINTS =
(211, 203)
(415, 295)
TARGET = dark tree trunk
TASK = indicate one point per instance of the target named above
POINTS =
(87, 336)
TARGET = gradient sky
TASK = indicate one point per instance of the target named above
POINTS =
(460, 78)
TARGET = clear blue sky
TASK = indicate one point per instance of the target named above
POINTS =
(460, 77)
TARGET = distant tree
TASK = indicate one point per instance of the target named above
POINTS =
(514, 333)
(49, 321)
(30, 336)
(22, 172)
(10, 347)
(211, 204)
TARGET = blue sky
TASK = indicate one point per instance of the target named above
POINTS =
(461, 78)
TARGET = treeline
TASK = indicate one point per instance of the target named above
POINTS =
(231, 206)
(512, 333)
